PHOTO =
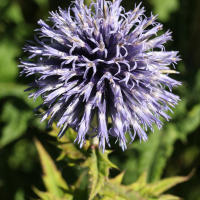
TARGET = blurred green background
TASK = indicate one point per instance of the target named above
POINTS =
(174, 150)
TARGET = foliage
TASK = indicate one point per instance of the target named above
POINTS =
(99, 184)
(172, 151)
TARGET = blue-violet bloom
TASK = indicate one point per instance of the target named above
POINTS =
(102, 63)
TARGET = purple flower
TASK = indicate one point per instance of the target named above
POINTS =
(102, 63)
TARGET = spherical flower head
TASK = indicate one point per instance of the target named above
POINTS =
(105, 64)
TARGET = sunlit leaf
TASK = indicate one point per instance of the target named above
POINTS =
(140, 183)
(168, 197)
(163, 185)
(117, 191)
(42, 195)
(50, 196)
(67, 145)
(52, 177)
(96, 179)
(106, 198)
(98, 169)
(118, 178)
(141, 190)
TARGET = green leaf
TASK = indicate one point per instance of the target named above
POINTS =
(42, 195)
(153, 154)
(191, 122)
(52, 177)
(88, 2)
(140, 189)
(96, 179)
(106, 198)
(19, 195)
(16, 123)
(167, 183)
(42, 3)
(16, 112)
(118, 178)
(164, 8)
(142, 179)
(168, 197)
(8, 66)
(17, 90)
(140, 183)
(50, 196)
(66, 144)
(104, 162)
(98, 165)
(22, 156)
(14, 13)
(119, 192)
(197, 83)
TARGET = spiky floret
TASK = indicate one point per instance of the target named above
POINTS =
(101, 63)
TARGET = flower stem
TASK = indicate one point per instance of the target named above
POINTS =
(94, 141)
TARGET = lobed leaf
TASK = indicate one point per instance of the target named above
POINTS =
(66, 144)
(140, 190)
(167, 183)
(168, 197)
(98, 166)
(118, 179)
(52, 177)
(50, 196)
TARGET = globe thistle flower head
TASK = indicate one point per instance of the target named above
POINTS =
(102, 63)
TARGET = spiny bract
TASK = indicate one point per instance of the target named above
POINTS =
(100, 63)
